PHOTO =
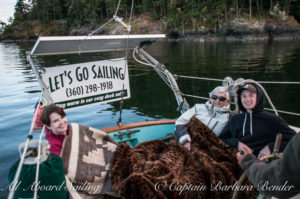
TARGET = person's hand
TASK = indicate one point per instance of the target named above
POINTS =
(265, 151)
(243, 151)
(187, 145)
(244, 147)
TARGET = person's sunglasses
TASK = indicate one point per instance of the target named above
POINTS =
(221, 98)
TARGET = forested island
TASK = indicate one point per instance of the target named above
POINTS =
(200, 19)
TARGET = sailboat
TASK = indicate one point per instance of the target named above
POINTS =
(98, 82)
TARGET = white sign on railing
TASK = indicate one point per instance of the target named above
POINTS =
(88, 83)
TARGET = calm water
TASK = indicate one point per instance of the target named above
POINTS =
(151, 99)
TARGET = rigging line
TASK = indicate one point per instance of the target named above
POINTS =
(107, 21)
(126, 58)
(201, 78)
(29, 137)
(284, 112)
(163, 76)
(194, 96)
(140, 74)
(129, 28)
(131, 12)
(165, 79)
(157, 70)
(199, 97)
(151, 65)
(143, 63)
(268, 109)
(37, 171)
(117, 8)
(213, 79)
(121, 107)
(100, 27)
(122, 100)
(269, 82)
(133, 68)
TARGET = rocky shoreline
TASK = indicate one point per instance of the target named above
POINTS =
(239, 30)
(234, 30)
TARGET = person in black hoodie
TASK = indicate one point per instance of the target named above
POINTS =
(254, 128)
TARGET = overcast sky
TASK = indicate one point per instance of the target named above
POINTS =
(7, 8)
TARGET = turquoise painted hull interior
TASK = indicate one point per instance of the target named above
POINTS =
(142, 134)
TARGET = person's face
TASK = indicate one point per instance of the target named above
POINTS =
(248, 100)
(58, 124)
(215, 99)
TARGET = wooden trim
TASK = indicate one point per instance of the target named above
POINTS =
(136, 125)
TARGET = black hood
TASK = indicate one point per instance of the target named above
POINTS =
(260, 101)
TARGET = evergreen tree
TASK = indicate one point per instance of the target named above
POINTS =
(21, 11)
(176, 14)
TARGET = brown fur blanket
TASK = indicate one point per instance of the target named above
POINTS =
(86, 154)
(157, 170)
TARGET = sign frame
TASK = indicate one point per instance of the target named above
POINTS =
(87, 83)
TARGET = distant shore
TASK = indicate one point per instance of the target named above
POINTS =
(248, 30)
(240, 29)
